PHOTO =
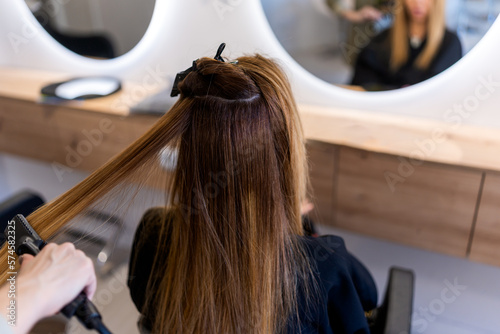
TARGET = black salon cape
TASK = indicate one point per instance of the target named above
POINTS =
(345, 287)
(372, 69)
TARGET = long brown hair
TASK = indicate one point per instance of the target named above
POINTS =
(399, 35)
(230, 260)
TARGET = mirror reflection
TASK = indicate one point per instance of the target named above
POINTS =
(379, 44)
(101, 29)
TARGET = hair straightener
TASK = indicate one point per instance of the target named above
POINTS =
(27, 241)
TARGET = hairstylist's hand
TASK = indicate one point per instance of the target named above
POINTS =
(49, 281)
(305, 207)
(364, 14)
(370, 13)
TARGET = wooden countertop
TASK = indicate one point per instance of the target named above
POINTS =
(25, 84)
(408, 137)
(411, 137)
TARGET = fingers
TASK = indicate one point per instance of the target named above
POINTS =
(84, 265)
(26, 258)
(64, 250)
(71, 262)
(306, 207)
(91, 287)
(55, 277)
(370, 13)
(88, 267)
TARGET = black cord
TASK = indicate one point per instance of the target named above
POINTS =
(99, 326)
(89, 316)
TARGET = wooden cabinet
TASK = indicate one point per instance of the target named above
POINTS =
(69, 137)
(431, 206)
(426, 205)
(322, 173)
(486, 238)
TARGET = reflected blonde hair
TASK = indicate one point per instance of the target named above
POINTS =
(234, 256)
(400, 33)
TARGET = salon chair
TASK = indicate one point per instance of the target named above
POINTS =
(96, 45)
(25, 202)
(394, 315)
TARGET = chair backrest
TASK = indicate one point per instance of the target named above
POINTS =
(394, 315)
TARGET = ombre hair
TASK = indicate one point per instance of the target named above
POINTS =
(230, 260)
(399, 35)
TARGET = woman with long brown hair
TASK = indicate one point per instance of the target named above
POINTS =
(229, 255)
(417, 47)
(226, 253)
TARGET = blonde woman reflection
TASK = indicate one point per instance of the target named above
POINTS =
(417, 47)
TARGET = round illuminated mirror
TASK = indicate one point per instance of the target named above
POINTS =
(350, 42)
(101, 29)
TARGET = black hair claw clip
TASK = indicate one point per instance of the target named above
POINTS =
(219, 52)
(182, 75)
(179, 77)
